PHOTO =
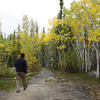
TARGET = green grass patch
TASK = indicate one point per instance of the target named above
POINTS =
(9, 82)
(78, 77)
(66, 91)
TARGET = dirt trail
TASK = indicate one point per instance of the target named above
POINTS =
(44, 87)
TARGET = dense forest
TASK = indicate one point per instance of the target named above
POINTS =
(72, 44)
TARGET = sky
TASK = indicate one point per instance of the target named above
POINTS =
(12, 12)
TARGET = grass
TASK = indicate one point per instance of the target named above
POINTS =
(32, 74)
(78, 77)
(9, 82)
(66, 91)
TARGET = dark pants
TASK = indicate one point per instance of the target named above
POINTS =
(20, 75)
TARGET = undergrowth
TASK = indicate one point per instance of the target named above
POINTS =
(8, 78)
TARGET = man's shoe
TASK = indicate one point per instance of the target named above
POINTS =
(17, 91)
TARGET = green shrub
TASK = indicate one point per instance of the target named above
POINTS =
(4, 71)
(34, 67)
(62, 66)
(72, 61)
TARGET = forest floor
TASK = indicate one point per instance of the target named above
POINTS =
(48, 86)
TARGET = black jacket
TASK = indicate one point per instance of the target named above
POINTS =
(21, 65)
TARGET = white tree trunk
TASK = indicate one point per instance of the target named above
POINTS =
(97, 74)
(85, 52)
(88, 59)
(97, 57)
(97, 53)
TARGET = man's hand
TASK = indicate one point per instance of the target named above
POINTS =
(25, 75)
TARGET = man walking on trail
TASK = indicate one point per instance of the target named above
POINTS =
(21, 72)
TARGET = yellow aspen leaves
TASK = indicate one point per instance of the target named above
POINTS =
(81, 38)
(16, 40)
(62, 31)
(55, 22)
(43, 34)
(2, 45)
(7, 49)
(89, 39)
(67, 38)
(45, 43)
(61, 47)
(88, 1)
(21, 35)
(73, 38)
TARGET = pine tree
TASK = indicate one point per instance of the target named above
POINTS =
(32, 28)
(37, 28)
(43, 30)
(60, 15)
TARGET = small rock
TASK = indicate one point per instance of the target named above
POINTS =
(14, 78)
(37, 76)
(92, 73)
(50, 79)
(63, 80)
(42, 72)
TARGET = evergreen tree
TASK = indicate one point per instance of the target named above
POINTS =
(32, 28)
(43, 30)
(37, 28)
(18, 38)
(60, 15)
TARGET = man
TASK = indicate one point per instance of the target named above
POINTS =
(21, 72)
